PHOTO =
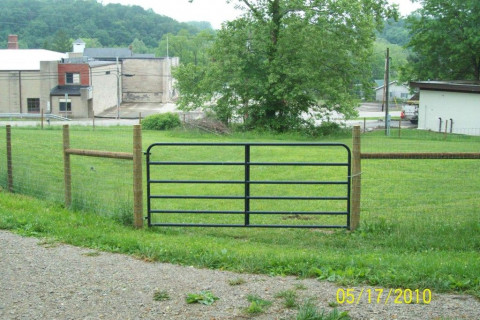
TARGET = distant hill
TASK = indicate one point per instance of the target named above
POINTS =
(395, 32)
(40, 23)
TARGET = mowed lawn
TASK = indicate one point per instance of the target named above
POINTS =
(420, 221)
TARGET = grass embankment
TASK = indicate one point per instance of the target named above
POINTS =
(420, 218)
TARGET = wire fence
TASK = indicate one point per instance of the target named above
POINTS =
(102, 186)
(396, 193)
(420, 181)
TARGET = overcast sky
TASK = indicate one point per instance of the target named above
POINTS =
(214, 11)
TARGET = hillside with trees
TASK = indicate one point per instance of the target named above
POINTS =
(51, 24)
(394, 35)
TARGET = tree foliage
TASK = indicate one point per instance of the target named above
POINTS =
(284, 59)
(395, 31)
(61, 42)
(398, 59)
(445, 40)
(36, 22)
(190, 48)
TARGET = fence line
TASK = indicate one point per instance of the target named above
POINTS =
(358, 156)
(433, 155)
(9, 160)
(136, 156)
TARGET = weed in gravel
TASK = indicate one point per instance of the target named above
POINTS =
(236, 281)
(204, 297)
(300, 286)
(91, 254)
(48, 243)
(308, 311)
(333, 304)
(257, 304)
(161, 295)
(290, 298)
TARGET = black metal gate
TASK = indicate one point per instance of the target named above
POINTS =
(246, 183)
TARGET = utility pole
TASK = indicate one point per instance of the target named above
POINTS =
(387, 91)
(118, 90)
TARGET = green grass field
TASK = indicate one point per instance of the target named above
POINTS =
(420, 222)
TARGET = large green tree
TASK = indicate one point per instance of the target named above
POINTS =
(445, 40)
(61, 42)
(190, 48)
(284, 59)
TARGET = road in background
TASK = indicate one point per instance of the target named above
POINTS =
(370, 115)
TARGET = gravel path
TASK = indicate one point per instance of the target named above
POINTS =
(44, 280)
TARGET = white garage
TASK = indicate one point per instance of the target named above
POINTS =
(453, 106)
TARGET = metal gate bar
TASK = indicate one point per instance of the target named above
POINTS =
(247, 182)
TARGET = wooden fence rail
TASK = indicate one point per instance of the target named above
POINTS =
(357, 165)
(136, 156)
(433, 155)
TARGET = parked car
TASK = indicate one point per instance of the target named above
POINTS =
(410, 109)
(410, 113)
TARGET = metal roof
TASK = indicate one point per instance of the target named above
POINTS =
(94, 64)
(100, 53)
(113, 53)
(26, 59)
(70, 90)
(454, 86)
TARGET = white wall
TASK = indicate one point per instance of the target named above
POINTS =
(463, 108)
(12, 89)
(395, 91)
(104, 87)
(148, 84)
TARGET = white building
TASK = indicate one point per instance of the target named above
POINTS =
(24, 84)
(453, 106)
(396, 91)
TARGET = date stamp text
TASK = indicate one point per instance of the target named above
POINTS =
(383, 296)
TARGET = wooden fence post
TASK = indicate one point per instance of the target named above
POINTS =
(41, 118)
(445, 134)
(400, 127)
(356, 180)
(9, 160)
(66, 166)
(137, 177)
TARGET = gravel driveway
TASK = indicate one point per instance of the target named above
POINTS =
(41, 279)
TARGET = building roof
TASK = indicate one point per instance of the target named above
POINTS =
(144, 55)
(101, 53)
(453, 86)
(382, 83)
(113, 53)
(414, 99)
(63, 90)
(79, 41)
(26, 59)
(94, 64)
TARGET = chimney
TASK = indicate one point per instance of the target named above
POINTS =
(12, 41)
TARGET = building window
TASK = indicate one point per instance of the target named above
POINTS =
(33, 105)
(65, 105)
(404, 95)
(72, 78)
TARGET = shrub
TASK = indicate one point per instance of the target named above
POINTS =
(327, 128)
(162, 121)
